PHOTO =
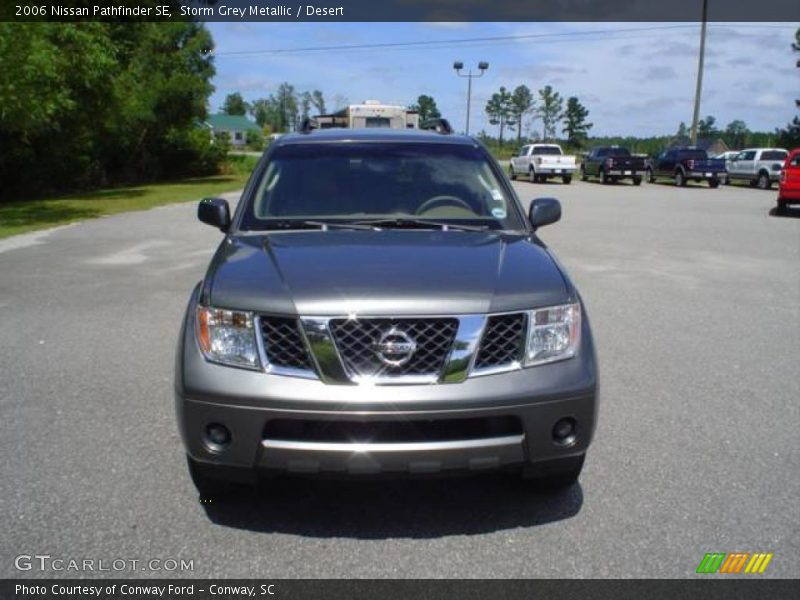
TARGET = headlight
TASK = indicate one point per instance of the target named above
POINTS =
(227, 337)
(553, 334)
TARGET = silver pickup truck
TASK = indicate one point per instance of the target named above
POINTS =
(758, 166)
(542, 161)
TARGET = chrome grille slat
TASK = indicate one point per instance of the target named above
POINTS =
(502, 341)
(355, 340)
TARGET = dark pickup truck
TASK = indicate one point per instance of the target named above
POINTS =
(612, 163)
(685, 164)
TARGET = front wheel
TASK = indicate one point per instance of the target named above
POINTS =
(763, 182)
(713, 183)
(650, 176)
(637, 180)
(512, 174)
(603, 177)
(567, 179)
(532, 177)
(783, 206)
(680, 180)
(584, 177)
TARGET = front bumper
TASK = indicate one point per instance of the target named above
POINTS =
(625, 173)
(249, 403)
(709, 175)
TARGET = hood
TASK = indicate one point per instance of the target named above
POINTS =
(394, 272)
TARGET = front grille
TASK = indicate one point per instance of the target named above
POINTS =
(356, 340)
(502, 341)
(283, 343)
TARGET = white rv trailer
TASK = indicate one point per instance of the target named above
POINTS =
(371, 113)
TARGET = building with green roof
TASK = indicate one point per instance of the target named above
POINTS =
(235, 126)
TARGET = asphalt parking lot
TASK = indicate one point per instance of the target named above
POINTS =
(694, 296)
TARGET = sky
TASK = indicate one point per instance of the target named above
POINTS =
(638, 82)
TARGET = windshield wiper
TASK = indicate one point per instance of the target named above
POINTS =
(410, 223)
(287, 224)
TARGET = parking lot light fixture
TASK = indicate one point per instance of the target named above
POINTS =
(458, 67)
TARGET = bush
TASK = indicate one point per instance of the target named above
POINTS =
(254, 140)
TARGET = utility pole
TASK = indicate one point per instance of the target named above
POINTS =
(699, 89)
(482, 66)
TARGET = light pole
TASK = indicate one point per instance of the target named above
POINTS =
(482, 66)
(699, 88)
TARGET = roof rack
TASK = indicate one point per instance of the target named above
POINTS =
(438, 125)
(308, 125)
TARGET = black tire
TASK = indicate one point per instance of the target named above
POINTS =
(763, 182)
(567, 179)
(637, 180)
(584, 177)
(603, 177)
(680, 179)
(532, 176)
(209, 487)
(651, 178)
(554, 475)
(511, 173)
(713, 183)
(783, 207)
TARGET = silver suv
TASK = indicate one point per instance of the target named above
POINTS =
(381, 304)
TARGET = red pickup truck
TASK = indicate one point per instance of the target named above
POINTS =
(789, 184)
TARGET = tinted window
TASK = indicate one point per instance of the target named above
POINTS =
(795, 162)
(619, 152)
(546, 150)
(774, 155)
(746, 156)
(356, 181)
(692, 154)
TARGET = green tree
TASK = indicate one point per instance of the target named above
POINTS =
(498, 109)
(286, 99)
(683, 131)
(235, 105)
(707, 127)
(522, 104)
(736, 134)
(305, 105)
(551, 107)
(575, 126)
(318, 101)
(427, 109)
(89, 104)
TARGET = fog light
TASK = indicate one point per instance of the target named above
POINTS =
(564, 432)
(217, 436)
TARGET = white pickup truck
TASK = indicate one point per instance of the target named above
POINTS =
(758, 166)
(542, 161)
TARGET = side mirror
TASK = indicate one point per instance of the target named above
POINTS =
(215, 212)
(544, 211)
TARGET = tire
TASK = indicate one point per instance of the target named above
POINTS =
(651, 178)
(713, 183)
(555, 474)
(763, 182)
(567, 179)
(603, 177)
(637, 180)
(584, 177)
(727, 180)
(680, 179)
(783, 207)
(208, 487)
(511, 173)
(532, 176)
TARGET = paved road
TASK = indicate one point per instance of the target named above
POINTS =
(694, 300)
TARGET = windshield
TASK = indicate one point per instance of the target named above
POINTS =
(347, 181)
